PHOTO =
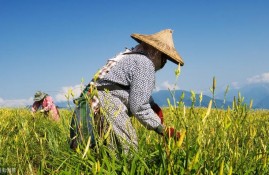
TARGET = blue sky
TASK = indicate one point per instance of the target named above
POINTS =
(53, 45)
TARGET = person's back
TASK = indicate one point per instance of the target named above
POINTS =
(133, 72)
(136, 73)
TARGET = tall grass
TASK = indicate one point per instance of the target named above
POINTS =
(213, 141)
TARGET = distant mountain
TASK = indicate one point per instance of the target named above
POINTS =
(162, 96)
(263, 104)
(65, 104)
(259, 93)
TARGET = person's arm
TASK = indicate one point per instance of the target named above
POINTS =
(141, 87)
(169, 132)
(156, 108)
(35, 106)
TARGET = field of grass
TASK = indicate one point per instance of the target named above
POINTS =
(213, 141)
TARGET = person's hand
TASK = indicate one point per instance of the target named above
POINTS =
(42, 110)
(158, 111)
(172, 133)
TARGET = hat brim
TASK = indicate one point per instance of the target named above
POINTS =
(173, 56)
(41, 97)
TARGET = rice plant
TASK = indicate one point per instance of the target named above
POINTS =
(213, 141)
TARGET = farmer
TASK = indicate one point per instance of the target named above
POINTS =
(123, 88)
(45, 102)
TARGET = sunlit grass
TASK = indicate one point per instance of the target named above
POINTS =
(214, 141)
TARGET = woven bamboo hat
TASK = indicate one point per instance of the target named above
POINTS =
(39, 96)
(162, 41)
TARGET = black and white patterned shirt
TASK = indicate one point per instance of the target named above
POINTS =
(137, 72)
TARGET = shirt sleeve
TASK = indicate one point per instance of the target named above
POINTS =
(141, 87)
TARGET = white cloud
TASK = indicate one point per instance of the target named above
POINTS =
(167, 85)
(59, 97)
(15, 102)
(69, 91)
(234, 85)
(156, 89)
(263, 78)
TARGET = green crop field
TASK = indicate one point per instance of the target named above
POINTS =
(213, 141)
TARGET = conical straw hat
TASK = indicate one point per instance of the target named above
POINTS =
(162, 41)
